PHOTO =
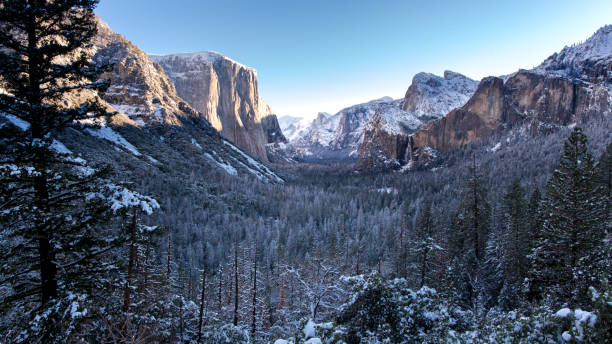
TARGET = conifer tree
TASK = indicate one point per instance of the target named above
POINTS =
(52, 204)
(424, 244)
(514, 245)
(472, 226)
(568, 257)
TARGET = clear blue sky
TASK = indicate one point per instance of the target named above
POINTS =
(323, 55)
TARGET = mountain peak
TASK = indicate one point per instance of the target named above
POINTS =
(207, 57)
(590, 60)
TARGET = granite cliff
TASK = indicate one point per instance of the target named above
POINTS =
(566, 88)
(226, 93)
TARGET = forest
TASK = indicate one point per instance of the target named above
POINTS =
(508, 245)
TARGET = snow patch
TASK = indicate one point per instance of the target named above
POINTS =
(110, 135)
(309, 329)
(226, 167)
(18, 122)
(196, 144)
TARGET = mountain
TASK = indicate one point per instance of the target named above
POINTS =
(429, 96)
(154, 128)
(568, 87)
(293, 127)
(139, 87)
(432, 96)
(590, 61)
(332, 137)
(226, 93)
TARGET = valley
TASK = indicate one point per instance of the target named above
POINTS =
(455, 214)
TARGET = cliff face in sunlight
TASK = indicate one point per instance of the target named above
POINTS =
(226, 93)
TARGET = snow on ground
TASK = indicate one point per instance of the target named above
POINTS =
(387, 190)
(196, 144)
(227, 167)
(255, 164)
(309, 329)
(109, 134)
(496, 147)
(59, 147)
(18, 122)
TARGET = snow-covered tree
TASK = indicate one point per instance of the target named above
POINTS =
(424, 245)
(570, 249)
(55, 208)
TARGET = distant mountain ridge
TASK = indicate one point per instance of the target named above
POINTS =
(568, 87)
(341, 136)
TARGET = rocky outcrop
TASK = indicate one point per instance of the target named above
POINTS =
(382, 148)
(527, 98)
(153, 125)
(568, 87)
(272, 130)
(226, 93)
(139, 87)
(429, 96)
(589, 61)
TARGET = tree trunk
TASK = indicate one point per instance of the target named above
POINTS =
(132, 259)
(423, 267)
(220, 287)
(254, 293)
(168, 255)
(48, 268)
(203, 298)
(236, 281)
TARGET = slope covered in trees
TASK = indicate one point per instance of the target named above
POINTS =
(494, 245)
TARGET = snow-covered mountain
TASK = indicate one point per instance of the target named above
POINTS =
(340, 136)
(569, 87)
(590, 60)
(431, 96)
(293, 127)
(226, 92)
(154, 126)
(333, 137)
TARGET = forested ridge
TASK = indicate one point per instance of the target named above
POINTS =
(504, 245)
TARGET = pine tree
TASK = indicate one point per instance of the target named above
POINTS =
(513, 245)
(568, 256)
(424, 244)
(53, 205)
(472, 226)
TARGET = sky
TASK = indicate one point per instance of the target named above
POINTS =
(313, 56)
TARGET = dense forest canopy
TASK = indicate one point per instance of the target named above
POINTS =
(505, 245)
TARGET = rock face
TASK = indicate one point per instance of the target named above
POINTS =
(568, 87)
(429, 96)
(334, 137)
(530, 98)
(226, 93)
(154, 126)
(272, 129)
(590, 61)
(139, 87)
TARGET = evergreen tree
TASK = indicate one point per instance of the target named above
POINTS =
(472, 225)
(571, 246)
(52, 204)
(424, 245)
(534, 215)
(514, 245)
